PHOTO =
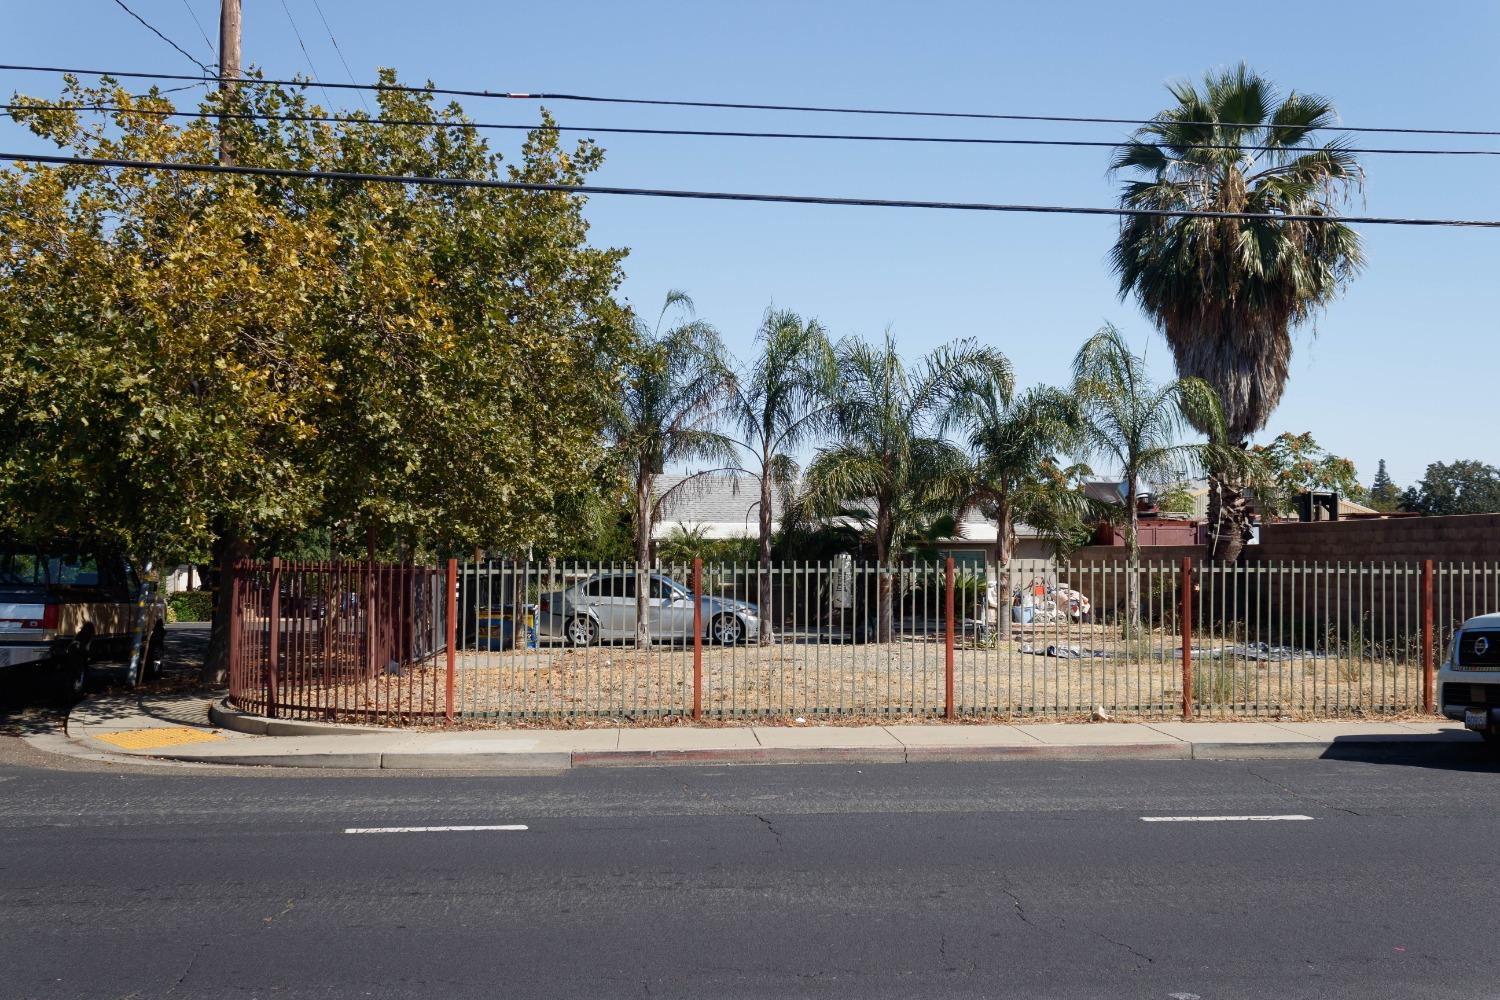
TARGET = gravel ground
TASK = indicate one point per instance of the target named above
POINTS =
(883, 680)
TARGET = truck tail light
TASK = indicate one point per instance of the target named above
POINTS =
(545, 605)
(47, 621)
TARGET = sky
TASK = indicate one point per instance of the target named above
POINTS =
(1393, 369)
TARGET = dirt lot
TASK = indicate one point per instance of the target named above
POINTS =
(1089, 667)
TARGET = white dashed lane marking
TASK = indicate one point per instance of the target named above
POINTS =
(1219, 819)
(434, 829)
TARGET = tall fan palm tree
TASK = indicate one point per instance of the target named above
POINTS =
(775, 405)
(675, 386)
(1016, 444)
(1135, 425)
(1227, 292)
(891, 458)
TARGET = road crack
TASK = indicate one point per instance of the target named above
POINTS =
(188, 969)
(1121, 944)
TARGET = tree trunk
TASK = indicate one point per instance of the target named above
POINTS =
(884, 585)
(1229, 519)
(1132, 564)
(1005, 549)
(766, 585)
(642, 561)
(226, 552)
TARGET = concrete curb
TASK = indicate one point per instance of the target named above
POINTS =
(226, 716)
(551, 762)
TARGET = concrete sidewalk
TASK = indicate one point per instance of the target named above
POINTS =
(180, 728)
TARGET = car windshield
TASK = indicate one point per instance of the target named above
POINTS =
(28, 572)
(22, 572)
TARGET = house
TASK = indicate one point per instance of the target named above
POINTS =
(722, 507)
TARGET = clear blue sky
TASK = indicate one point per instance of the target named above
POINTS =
(1400, 368)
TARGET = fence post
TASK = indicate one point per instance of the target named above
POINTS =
(697, 639)
(1186, 628)
(1427, 664)
(949, 709)
(273, 643)
(453, 631)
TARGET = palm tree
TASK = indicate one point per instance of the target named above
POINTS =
(1135, 424)
(675, 384)
(1227, 293)
(890, 458)
(775, 405)
(1017, 476)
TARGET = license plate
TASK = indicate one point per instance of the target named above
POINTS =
(1476, 718)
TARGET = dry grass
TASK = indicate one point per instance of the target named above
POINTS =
(888, 683)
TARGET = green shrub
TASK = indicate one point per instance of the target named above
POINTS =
(191, 606)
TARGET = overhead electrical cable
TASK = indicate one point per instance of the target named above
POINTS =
(709, 133)
(338, 50)
(155, 31)
(599, 99)
(788, 199)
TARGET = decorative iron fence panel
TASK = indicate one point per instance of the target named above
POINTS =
(1031, 640)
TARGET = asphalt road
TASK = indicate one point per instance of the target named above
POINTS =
(1015, 880)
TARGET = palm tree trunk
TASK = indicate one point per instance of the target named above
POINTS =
(1229, 519)
(884, 585)
(642, 559)
(765, 586)
(1005, 548)
(1132, 564)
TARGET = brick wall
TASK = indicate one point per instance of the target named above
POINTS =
(1454, 538)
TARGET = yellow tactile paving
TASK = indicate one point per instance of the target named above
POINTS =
(150, 739)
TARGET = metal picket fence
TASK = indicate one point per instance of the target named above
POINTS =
(1163, 639)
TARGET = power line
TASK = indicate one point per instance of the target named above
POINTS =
(784, 199)
(710, 133)
(152, 28)
(305, 54)
(339, 51)
(194, 15)
(550, 96)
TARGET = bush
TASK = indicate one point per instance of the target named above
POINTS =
(191, 606)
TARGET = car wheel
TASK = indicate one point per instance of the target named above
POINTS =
(727, 630)
(582, 631)
(155, 651)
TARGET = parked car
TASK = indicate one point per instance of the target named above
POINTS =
(1469, 679)
(603, 608)
(64, 608)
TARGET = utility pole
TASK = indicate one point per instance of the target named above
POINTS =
(229, 62)
(228, 548)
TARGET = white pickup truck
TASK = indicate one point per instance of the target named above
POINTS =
(1469, 679)
(64, 608)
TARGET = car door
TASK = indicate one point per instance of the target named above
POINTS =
(670, 611)
(615, 605)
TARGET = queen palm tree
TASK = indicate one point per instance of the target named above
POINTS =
(1136, 426)
(1016, 443)
(774, 406)
(675, 385)
(1227, 292)
(890, 458)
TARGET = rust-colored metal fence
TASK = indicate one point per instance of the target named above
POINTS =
(1163, 639)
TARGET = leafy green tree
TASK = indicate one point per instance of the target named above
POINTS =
(891, 460)
(1016, 443)
(776, 404)
(1461, 487)
(1296, 464)
(1136, 426)
(675, 385)
(200, 362)
(1384, 495)
(1227, 292)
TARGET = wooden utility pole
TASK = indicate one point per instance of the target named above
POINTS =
(229, 62)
